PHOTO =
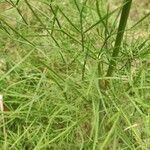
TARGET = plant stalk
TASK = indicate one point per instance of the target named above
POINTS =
(119, 38)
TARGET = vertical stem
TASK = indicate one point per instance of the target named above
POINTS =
(119, 38)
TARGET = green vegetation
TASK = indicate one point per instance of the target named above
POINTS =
(55, 60)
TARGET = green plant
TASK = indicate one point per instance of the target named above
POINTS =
(43, 55)
(121, 29)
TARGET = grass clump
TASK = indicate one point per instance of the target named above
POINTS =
(49, 53)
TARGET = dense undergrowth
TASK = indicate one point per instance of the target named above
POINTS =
(53, 55)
